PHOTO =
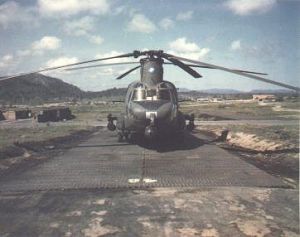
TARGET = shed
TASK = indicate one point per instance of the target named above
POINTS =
(54, 114)
(267, 97)
(14, 114)
(1, 116)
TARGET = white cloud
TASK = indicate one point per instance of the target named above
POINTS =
(236, 45)
(65, 8)
(95, 39)
(181, 47)
(80, 27)
(140, 23)
(120, 10)
(23, 53)
(56, 62)
(116, 60)
(247, 7)
(184, 16)
(46, 43)
(112, 72)
(6, 60)
(115, 70)
(166, 23)
(12, 13)
(84, 26)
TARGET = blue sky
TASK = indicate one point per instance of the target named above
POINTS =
(259, 35)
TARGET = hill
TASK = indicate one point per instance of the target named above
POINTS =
(115, 93)
(36, 89)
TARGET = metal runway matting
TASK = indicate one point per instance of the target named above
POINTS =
(102, 162)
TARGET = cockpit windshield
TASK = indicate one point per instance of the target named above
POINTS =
(141, 94)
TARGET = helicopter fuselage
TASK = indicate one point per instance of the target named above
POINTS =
(151, 111)
(151, 105)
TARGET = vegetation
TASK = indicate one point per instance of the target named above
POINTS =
(10, 136)
(238, 110)
(96, 112)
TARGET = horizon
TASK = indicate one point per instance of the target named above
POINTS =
(259, 36)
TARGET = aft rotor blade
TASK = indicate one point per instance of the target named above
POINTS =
(183, 66)
(100, 65)
(238, 73)
(67, 65)
(126, 73)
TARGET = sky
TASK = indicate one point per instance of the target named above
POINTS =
(258, 35)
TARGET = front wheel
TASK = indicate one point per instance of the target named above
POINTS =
(120, 137)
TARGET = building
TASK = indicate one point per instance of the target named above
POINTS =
(1, 116)
(203, 99)
(54, 114)
(14, 114)
(266, 97)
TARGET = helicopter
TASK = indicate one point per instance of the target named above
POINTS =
(151, 104)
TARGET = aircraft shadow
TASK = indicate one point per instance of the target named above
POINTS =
(168, 144)
(162, 144)
(104, 145)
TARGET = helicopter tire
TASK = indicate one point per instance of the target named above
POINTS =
(120, 137)
(126, 136)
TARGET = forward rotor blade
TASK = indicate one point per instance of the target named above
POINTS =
(100, 65)
(126, 73)
(238, 70)
(183, 66)
(238, 73)
(67, 65)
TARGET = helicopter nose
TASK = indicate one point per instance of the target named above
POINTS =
(164, 111)
(161, 109)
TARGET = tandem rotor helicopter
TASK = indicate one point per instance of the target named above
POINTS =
(151, 104)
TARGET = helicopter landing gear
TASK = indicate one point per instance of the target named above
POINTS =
(110, 125)
(191, 124)
(125, 136)
(120, 137)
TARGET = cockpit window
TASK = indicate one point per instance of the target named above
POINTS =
(141, 94)
(164, 94)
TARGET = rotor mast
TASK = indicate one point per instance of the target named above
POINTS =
(151, 71)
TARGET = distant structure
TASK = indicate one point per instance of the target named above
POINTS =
(209, 99)
(203, 99)
(40, 114)
(14, 114)
(267, 97)
(1, 116)
(54, 114)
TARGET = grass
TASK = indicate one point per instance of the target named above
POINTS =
(221, 110)
(96, 112)
(11, 135)
(238, 110)
(86, 113)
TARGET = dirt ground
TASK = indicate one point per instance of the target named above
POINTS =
(274, 149)
(161, 212)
